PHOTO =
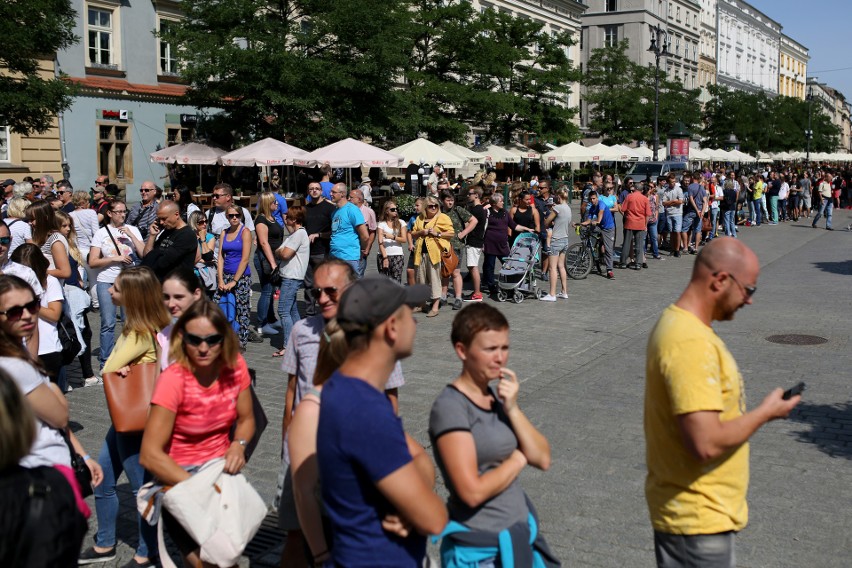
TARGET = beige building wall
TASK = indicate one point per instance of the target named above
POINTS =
(34, 155)
(792, 68)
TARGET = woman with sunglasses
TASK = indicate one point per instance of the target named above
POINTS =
(432, 232)
(138, 290)
(196, 402)
(19, 312)
(233, 272)
(294, 255)
(114, 247)
(46, 235)
(205, 269)
(392, 235)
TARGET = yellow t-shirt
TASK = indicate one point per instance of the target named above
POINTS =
(758, 189)
(689, 369)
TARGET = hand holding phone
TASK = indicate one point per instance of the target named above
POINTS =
(793, 391)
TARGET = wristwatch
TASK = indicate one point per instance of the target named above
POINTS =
(242, 442)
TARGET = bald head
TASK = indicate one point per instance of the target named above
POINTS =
(168, 215)
(168, 207)
(724, 254)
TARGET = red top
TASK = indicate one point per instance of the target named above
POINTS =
(203, 416)
(636, 210)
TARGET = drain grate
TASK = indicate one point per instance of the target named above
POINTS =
(267, 538)
(797, 339)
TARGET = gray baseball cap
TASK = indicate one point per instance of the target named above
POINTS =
(370, 301)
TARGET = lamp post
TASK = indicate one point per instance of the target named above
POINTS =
(659, 47)
(809, 133)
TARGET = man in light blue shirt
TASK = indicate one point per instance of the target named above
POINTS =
(348, 229)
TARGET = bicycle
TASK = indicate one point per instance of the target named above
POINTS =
(580, 256)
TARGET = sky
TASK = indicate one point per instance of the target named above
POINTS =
(825, 28)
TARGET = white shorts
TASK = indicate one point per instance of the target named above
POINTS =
(473, 255)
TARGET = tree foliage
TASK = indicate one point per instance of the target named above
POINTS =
(35, 29)
(620, 94)
(766, 124)
(314, 71)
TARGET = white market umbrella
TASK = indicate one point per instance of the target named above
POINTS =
(571, 152)
(494, 154)
(627, 153)
(462, 152)
(422, 151)
(189, 153)
(698, 154)
(603, 153)
(764, 157)
(523, 151)
(266, 152)
(350, 153)
(744, 158)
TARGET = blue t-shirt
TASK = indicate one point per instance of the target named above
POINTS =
(360, 441)
(609, 200)
(279, 213)
(345, 244)
(607, 222)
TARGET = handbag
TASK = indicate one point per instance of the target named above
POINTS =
(129, 398)
(228, 305)
(449, 262)
(706, 225)
(260, 421)
(82, 473)
(71, 346)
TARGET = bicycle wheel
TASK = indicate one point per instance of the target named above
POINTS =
(578, 261)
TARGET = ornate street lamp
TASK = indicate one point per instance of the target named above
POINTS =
(660, 48)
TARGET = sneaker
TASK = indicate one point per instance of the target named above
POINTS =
(91, 556)
(93, 381)
(676, 254)
(254, 336)
(270, 329)
(68, 388)
(548, 298)
(457, 304)
(133, 563)
(644, 265)
(610, 275)
(474, 298)
(562, 295)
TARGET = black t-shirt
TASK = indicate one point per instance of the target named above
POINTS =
(173, 248)
(476, 238)
(274, 233)
(318, 220)
(774, 188)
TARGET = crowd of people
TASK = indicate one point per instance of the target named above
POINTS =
(178, 279)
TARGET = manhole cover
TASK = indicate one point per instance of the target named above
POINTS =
(796, 339)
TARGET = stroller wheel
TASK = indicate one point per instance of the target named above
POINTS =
(501, 296)
(518, 297)
(540, 293)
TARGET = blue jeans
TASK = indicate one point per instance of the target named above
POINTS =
(288, 310)
(120, 452)
(676, 550)
(108, 310)
(651, 237)
(714, 222)
(757, 211)
(729, 222)
(488, 281)
(361, 267)
(264, 303)
(827, 206)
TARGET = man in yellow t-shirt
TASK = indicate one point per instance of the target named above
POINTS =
(696, 424)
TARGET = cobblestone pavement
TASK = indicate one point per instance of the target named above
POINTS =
(581, 363)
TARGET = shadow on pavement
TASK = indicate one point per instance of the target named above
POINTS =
(840, 267)
(830, 427)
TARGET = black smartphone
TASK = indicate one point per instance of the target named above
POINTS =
(793, 391)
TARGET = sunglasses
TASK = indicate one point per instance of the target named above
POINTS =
(196, 340)
(15, 312)
(201, 222)
(330, 291)
(392, 209)
(218, 195)
(233, 215)
(147, 189)
(749, 290)
(431, 207)
(5, 241)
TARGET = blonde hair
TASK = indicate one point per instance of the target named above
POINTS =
(333, 350)
(142, 298)
(17, 207)
(80, 198)
(17, 423)
(73, 249)
(264, 204)
(204, 309)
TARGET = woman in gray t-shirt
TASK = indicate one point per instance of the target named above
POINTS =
(482, 438)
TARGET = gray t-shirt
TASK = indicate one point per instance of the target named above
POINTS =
(49, 448)
(673, 194)
(495, 441)
(562, 223)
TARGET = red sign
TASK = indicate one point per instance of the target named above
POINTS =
(113, 114)
(679, 149)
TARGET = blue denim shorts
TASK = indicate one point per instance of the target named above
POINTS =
(673, 223)
(691, 222)
(558, 246)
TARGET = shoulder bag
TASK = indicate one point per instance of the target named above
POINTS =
(449, 258)
(129, 398)
(82, 473)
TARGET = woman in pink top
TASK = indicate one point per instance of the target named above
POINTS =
(195, 403)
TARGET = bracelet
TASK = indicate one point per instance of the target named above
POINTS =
(87, 457)
(323, 553)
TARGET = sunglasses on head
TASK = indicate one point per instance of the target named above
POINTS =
(16, 312)
(196, 340)
(330, 291)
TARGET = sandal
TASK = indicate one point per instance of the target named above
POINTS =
(432, 313)
(279, 353)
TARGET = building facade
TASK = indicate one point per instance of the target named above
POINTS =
(127, 105)
(793, 68)
(684, 37)
(833, 103)
(747, 48)
(707, 47)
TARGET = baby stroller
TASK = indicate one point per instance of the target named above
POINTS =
(518, 271)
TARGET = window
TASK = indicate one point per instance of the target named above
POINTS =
(176, 134)
(115, 157)
(611, 5)
(168, 55)
(5, 154)
(101, 35)
(678, 13)
(581, 39)
(610, 36)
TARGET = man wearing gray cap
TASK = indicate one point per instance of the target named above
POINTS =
(368, 465)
